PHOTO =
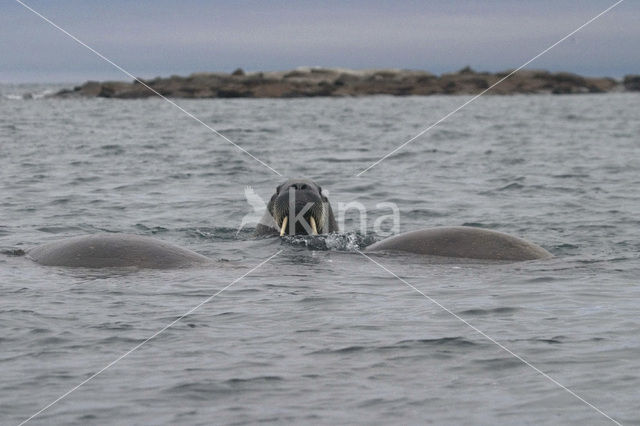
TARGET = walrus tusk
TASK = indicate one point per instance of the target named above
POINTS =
(312, 221)
(284, 225)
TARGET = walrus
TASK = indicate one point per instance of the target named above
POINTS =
(298, 207)
(462, 241)
(115, 250)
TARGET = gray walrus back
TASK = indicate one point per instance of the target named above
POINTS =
(114, 250)
(462, 241)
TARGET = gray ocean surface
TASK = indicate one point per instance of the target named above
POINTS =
(320, 334)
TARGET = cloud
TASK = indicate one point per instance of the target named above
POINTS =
(154, 38)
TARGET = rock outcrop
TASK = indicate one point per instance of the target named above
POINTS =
(308, 82)
(632, 83)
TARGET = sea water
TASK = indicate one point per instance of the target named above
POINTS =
(320, 334)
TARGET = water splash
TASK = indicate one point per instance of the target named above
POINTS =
(348, 241)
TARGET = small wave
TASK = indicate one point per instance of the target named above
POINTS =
(29, 95)
(110, 150)
(203, 390)
(112, 340)
(13, 252)
(259, 130)
(317, 299)
(345, 350)
(446, 343)
(482, 225)
(113, 326)
(566, 246)
(378, 402)
(44, 94)
(88, 417)
(61, 201)
(571, 117)
(60, 229)
(500, 363)
(443, 341)
(422, 213)
(513, 161)
(552, 341)
(199, 390)
(502, 310)
(511, 186)
(13, 128)
(219, 233)
(153, 230)
(334, 159)
(52, 341)
(535, 280)
(570, 176)
(258, 379)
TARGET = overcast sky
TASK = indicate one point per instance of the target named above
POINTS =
(160, 38)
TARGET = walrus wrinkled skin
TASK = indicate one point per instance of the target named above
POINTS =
(298, 208)
(462, 241)
(115, 250)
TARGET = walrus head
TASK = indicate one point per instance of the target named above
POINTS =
(300, 208)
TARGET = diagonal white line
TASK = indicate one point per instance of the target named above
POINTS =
(491, 87)
(101, 56)
(139, 345)
(491, 339)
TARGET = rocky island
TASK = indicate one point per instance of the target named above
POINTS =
(311, 81)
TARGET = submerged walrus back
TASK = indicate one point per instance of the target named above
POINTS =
(463, 241)
(114, 250)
